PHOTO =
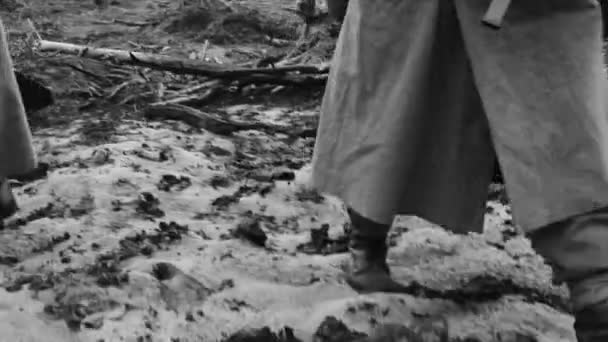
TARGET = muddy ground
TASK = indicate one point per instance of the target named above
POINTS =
(157, 231)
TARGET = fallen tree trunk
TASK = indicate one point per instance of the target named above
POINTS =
(290, 75)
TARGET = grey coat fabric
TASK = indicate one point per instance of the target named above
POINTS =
(16, 151)
(422, 98)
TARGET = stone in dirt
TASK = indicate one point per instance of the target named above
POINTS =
(167, 233)
(94, 323)
(100, 156)
(250, 229)
(148, 205)
(223, 202)
(219, 182)
(178, 289)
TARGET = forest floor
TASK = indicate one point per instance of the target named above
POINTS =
(154, 230)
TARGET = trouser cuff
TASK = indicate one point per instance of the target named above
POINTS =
(366, 228)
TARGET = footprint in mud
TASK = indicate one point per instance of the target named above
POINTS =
(177, 289)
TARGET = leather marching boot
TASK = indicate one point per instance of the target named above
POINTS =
(577, 248)
(8, 204)
(591, 323)
(369, 271)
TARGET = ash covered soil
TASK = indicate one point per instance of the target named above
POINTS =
(159, 231)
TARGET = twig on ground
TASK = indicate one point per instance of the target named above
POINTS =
(205, 47)
(201, 120)
(126, 22)
(198, 98)
(34, 30)
(143, 46)
(120, 87)
(86, 72)
(209, 84)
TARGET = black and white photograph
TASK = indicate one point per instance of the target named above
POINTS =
(303, 171)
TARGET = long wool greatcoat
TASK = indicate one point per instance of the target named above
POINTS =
(16, 151)
(422, 98)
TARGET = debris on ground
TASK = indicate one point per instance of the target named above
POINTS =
(148, 204)
(250, 229)
(174, 183)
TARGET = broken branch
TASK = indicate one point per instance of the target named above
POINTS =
(192, 117)
(201, 120)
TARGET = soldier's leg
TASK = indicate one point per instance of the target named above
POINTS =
(402, 130)
(16, 152)
(543, 87)
(367, 244)
(370, 223)
(577, 248)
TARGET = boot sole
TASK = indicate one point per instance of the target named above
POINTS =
(394, 287)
